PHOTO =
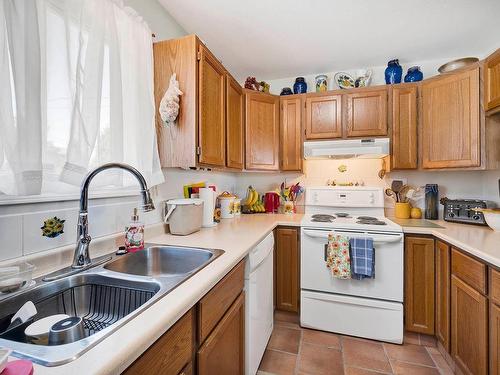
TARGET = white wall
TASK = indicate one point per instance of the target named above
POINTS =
(428, 67)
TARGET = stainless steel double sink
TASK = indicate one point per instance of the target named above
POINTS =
(105, 297)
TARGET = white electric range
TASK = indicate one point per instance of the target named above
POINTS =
(370, 308)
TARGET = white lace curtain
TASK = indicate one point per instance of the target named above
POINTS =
(76, 91)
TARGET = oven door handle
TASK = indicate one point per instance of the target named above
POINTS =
(379, 238)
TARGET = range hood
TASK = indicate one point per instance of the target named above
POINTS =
(374, 148)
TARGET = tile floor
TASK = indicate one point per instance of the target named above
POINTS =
(293, 350)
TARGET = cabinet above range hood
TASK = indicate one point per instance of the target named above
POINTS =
(374, 148)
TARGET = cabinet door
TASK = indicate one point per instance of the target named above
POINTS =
(492, 81)
(419, 285)
(287, 269)
(450, 126)
(494, 339)
(366, 113)
(211, 110)
(170, 353)
(291, 134)
(323, 116)
(235, 144)
(469, 328)
(404, 126)
(262, 131)
(443, 294)
(223, 353)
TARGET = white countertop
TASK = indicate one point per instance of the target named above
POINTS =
(236, 237)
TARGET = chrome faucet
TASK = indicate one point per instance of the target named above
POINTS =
(81, 259)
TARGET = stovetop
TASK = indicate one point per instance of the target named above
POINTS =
(352, 221)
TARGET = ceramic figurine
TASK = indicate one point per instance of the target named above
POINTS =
(300, 86)
(169, 104)
(393, 72)
(414, 74)
(286, 91)
(363, 79)
(321, 83)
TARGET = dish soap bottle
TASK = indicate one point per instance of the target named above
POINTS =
(134, 234)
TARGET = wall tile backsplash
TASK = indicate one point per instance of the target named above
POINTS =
(20, 224)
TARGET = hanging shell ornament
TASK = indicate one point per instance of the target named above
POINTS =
(169, 104)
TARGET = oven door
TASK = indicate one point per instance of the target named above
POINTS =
(388, 281)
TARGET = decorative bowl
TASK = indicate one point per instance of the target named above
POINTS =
(492, 217)
(457, 64)
(344, 80)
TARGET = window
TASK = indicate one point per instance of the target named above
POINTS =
(80, 95)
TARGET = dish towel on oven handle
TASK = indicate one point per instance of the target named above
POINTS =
(362, 255)
(337, 256)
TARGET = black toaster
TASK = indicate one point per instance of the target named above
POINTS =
(463, 210)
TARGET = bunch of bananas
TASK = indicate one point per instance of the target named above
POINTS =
(252, 203)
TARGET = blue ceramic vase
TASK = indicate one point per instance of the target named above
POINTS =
(414, 74)
(300, 86)
(393, 72)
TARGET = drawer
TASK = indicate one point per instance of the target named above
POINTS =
(217, 301)
(469, 270)
(495, 286)
(170, 353)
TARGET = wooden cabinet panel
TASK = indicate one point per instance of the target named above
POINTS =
(261, 131)
(291, 134)
(287, 269)
(495, 286)
(170, 353)
(211, 110)
(450, 121)
(494, 339)
(223, 353)
(404, 126)
(469, 270)
(235, 140)
(443, 294)
(492, 81)
(469, 328)
(366, 113)
(419, 285)
(323, 116)
(188, 370)
(215, 303)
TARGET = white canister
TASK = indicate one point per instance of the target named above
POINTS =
(226, 201)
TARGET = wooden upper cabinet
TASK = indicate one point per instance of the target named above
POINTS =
(492, 81)
(235, 139)
(261, 131)
(211, 109)
(291, 134)
(366, 113)
(404, 126)
(451, 126)
(469, 328)
(323, 116)
(443, 275)
(419, 284)
(287, 286)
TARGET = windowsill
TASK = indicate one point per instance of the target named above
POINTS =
(12, 200)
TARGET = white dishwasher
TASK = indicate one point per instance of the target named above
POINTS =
(258, 303)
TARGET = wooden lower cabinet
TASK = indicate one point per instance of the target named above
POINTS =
(443, 294)
(494, 339)
(469, 327)
(223, 352)
(419, 284)
(170, 353)
(287, 273)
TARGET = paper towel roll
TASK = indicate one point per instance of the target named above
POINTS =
(207, 195)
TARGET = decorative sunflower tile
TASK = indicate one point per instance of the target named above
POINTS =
(53, 227)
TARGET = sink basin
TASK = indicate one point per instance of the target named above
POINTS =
(161, 260)
(105, 297)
